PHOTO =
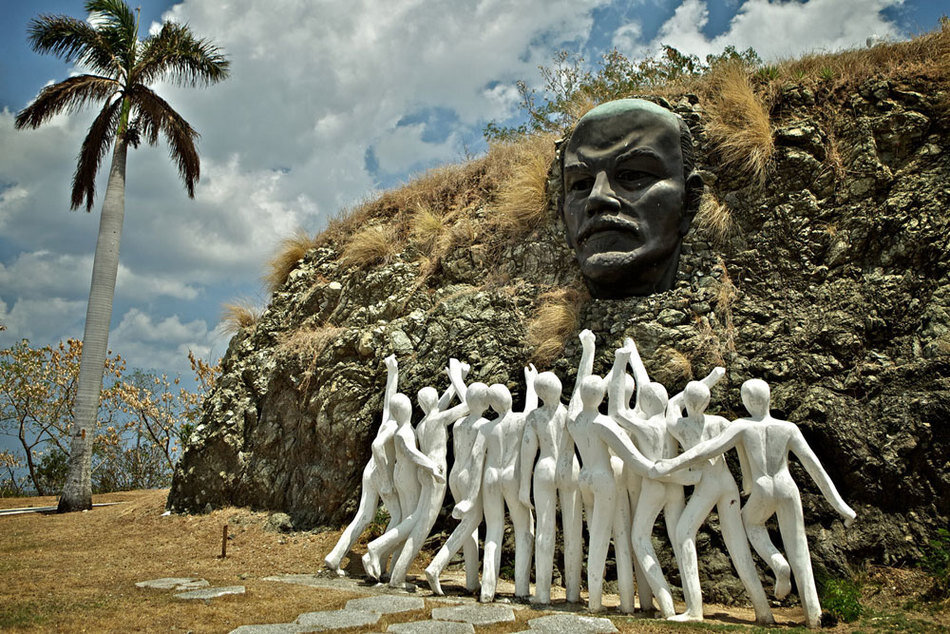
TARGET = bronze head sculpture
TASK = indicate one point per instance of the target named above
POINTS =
(629, 195)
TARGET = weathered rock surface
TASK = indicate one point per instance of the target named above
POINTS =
(833, 285)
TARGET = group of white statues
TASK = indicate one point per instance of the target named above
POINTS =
(619, 469)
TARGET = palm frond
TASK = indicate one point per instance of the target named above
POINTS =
(156, 115)
(68, 95)
(116, 23)
(176, 54)
(74, 41)
(94, 147)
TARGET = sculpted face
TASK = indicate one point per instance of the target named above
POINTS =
(627, 200)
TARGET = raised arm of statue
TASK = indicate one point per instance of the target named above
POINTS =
(529, 449)
(457, 373)
(452, 390)
(617, 407)
(674, 408)
(392, 382)
(636, 364)
(530, 396)
(584, 369)
(799, 446)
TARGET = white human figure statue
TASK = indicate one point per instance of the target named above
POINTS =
(377, 477)
(603, 495)
(464, 482)
(646, 423)
(544, 436)
(767, 442)
(432, 435)
(501, 442)
(427, 465)
(716, 488)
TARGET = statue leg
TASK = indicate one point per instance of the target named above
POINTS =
(369, 501)
(523, 522)
(493, 504)
(693, 516)
(602, 491)
(791, 523)
(622, 545)
(652, 498)
(545, 505)
(758, 508)
(573, 529)
(644, 591)
(463, 536)
(430, 502)
(733, 533)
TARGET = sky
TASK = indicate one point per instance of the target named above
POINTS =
(328, 103)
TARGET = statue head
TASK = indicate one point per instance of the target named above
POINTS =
(400, 408)
(629, 195)
(548, 387)
(653, 399)
(499, 398)
(592, 391)
(476, 397)
(756, 396)
(696, 397)
(427, 398)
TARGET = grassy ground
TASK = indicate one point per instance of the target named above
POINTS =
(77, 573)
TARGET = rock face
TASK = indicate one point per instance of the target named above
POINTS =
(832, 285)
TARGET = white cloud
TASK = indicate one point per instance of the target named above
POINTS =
(315, 88)
(163, 343)
(42, 320)
(775, 29)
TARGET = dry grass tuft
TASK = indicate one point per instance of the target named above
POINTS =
(674, 367)
(238, 315)
(288, 256)
(308, 344)
(726, 295)
(426, 227)
(555, 320)
(714, 218)
(523, 190)
(927, 55)
(372, 245)
(738, 121)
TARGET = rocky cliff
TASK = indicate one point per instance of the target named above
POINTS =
(830, 280)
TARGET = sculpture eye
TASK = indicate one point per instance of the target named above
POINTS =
(631, 176)
(581, 184)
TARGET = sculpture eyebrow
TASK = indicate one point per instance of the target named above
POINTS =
(639, 152)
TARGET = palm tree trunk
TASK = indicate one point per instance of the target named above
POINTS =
(77, 493)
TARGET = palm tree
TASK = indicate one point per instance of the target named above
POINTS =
(121, 67)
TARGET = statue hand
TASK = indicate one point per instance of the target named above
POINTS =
(530, 373)
(391, 363)
(437, 474)
(586, 337)
(466, 368)
(849, 517)
(461, 509)
(660, 468)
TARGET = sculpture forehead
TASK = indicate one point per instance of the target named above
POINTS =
(617, 124)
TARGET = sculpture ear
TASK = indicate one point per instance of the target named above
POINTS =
(694, 192)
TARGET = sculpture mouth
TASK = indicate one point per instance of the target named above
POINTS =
(608, 225)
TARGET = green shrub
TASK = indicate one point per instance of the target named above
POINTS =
(842, 597)
(936, 561)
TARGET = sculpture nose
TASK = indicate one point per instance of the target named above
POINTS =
(602, 198)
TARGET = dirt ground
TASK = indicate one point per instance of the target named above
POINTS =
(77, 573)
